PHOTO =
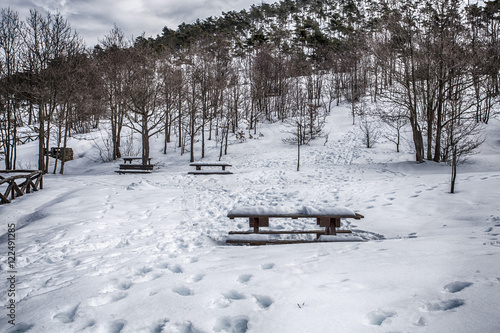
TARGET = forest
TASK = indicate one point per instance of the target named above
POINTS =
(429, 66)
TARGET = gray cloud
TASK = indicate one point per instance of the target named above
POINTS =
(93, 19)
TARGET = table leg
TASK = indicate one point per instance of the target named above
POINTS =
(254, 221)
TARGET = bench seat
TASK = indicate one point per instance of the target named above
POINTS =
(136, 167)
(214, 172)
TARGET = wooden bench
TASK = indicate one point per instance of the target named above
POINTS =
(328, 218)
(135, 168)
(199, 165)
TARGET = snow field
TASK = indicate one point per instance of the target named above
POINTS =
(101, 252)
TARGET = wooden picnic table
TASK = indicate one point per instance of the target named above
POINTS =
(328, 218)
(130, 159)
(135, 168)
(199, 165)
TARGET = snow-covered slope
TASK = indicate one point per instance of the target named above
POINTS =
(102, 252)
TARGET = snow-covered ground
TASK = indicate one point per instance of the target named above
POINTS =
(102, 252)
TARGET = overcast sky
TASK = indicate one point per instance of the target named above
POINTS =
(93, 19)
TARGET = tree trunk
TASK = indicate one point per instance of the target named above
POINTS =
(145, 139)
(453, 170)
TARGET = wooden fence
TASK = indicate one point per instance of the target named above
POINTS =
(19, 182)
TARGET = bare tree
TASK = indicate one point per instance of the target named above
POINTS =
(462, 133)
(113, 58)
(48, 40)
(10, 52)
(144, 96)
(395, 118)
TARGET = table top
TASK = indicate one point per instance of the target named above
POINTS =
(305, 211)
(209, 164)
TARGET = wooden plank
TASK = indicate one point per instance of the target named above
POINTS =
(132, 171)
(284, 241)
(136, 167)
(214, 164)
(286, 232)
(200, 172)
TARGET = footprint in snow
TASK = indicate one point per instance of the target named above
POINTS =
(145, 274)
(20, 328)
(185, 327)
(67, 316)
(244, 278)
(195, 278)
(456, 286)
(183, 291)
(444, 305)
(115, 326)
(377, 317)
(233, 295)
(237, 324)
(107, 298)
(227, 298)
(263, 301)
(175, 269)
(117, 285)
(267, 266)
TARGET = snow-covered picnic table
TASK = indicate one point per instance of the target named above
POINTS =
(130, 159)
(326, 217)
(199, 165)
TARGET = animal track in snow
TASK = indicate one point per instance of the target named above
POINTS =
(456, 286)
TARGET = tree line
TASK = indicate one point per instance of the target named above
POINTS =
(430, 65)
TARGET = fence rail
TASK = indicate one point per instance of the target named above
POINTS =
(19, 182)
